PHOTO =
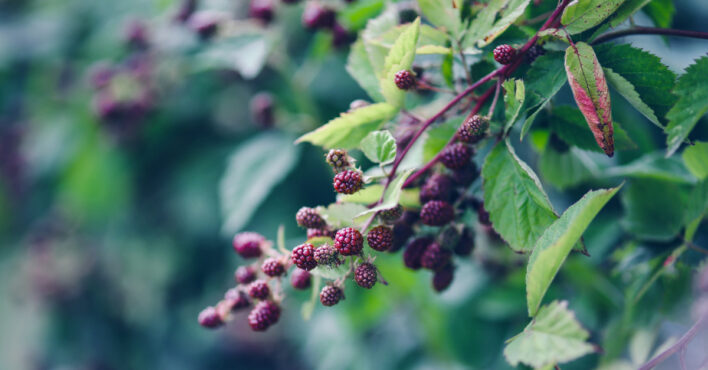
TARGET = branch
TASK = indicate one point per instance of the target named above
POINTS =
(677, 346)
(649, 31)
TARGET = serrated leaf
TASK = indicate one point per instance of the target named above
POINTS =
(400, 57)
(360, 68)
(582, 15)
(512, 10)
(626, 89)
(518, 207)
(543, 80)
(442, 14)
(568, 123)
(379, 147)
(347, 130)
(692, 90)
(696, 159)
(514, 100)
(391, 196)
(556, 242)
(372, 193)
(340, 214)
(268, 157)
(483, 22)
(589, 87)
(553, 337)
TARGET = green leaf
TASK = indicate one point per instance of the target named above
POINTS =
(340, 214)
(589, 87)
(400, 57)
(552, 248)
(268, 157)
(566, 169)
(347, 130)
(442, 14)
(518, 207)
(554, 336)
(512, 10)
(372, 193)
(568, 123)
(692, 90)
(309, 307)
(483, 22)
(661, 12)
(696, 159)
(360, 68)
(653, 166)
(432, 49)
(245, 52)
(514, 100)
(374, 30)
(331, 273)
(626, 89)
(379, 147)
(582, 15)
(625, 11)
(391, 197)
(543, 80)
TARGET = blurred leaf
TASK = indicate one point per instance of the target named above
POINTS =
(442, 14)
(375, 28)
(585, 14)
(568, 123)
(379, 147)
(331, 273)
(696, 159)
(654, 166)
(511, 11)
(567, 169)
(438, 136)
(309, 307)
(432, 49)
(661, 12)
(552, 248)
(554, 336)
(400, 57)
(360, 68)
(253, 169)
(626, 10)
(692, 90)
(543, 80)
(372, 193)
(483, 22)
(514, 100)
(391, 196)
(347, 130)
(354, 16)
(245, 52)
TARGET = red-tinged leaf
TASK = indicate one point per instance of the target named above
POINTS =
(589, 86)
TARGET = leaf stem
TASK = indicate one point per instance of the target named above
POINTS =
(649, 31)
(496, 97)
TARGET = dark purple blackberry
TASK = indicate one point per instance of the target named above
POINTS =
(248, 244)
(348, 241)
(392, 214)
(262, 112)
(414, 251)
(259, 289)
(136, 35)
(443, 277)
(272, 267)
(466, 244)
(473, 129)
(466, 175)
(365, 275)
(401, 232)
(331, 295)
(456, 156)
(205, 24)
(347, 182)
(326, 255)
(303, 256)
(404, 80)
(262, 10)
(245, 274)
(534, 52)
(437, 213)
(237, 299)
(341, 36)
(338, 159)
(318, 233)
(435, 257)
(317, 16)
(504, 54)
(209, 318)
(265, 314)
(300, 279)
(436, 187)
(483, 215)
(309, 218)
(380, 238)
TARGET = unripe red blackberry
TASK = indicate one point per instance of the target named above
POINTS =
(401, 232)
(331, 295)
(347, 182)
(365, 275)
(300, 279)
(435, 257)
(326, 255)
(456, 156)
(259, 289)
(265, 314)
(466, 175)
(317, 233)
(436, 187)
(392, 214)
(309, 218)
(248, 244)
(338, 159)
(262, 112)
(262, 10)
(504, 54)
(443, 277)
(245, 274)
(272, 267)
(348, 241)
(404, 79)
(380, 238)
(237, 299)
(209, 318)
(414, 251)
(317, 16)
(303, 256)
(473, 129)
(437, 213)
(534, 52)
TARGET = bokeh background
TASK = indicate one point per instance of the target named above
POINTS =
(129, 156)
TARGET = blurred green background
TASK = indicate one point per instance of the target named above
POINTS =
(115, 231)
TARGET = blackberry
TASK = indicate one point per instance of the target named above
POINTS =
(391, 214)
(365, 275)
(466, 175)
(209, 318)
(435, 257)
(259, 289)
(347, 182)
(245, 274)
(483, 216)
(317, 16)
(326, 255)
(437, 213)
(261, 10)
(317, 233)
(331, 295)
(338, 159)
(436, 187)
(300, 279)
(380, 238)
(237, 299)
(404, 79)
(466, 244)
(309, 218)
(248, 244)
(456, 156)
(401, 232)
(534, 52)
(473, 129)
(443, 277)
(272, 267)
(414, 251)
(348, 241)
(303, 256)
(262, 112)
(504, 54)
(341, 36)
(204, 24)
(265, 314)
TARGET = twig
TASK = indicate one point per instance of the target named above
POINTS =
(494, 101)
(649, 31)
(463, 59)
(677, 346)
